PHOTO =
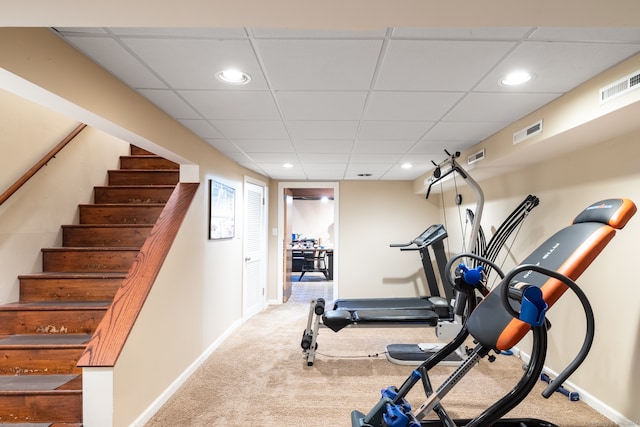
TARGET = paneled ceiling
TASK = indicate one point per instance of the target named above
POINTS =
(339, 105)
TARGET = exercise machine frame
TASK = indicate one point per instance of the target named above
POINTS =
(512, 309)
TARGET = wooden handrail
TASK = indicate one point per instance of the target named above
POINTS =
(110, 336)
(31, 172)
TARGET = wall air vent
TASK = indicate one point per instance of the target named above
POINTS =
(620, 87)
(527, 132)
(475, 157)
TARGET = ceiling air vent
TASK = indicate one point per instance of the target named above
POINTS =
(527, 132)
(620, 87)
(475, 157)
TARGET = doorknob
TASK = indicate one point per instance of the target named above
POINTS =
(248, 258)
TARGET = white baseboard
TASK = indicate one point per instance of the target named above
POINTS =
(588, 398)
(166, 395)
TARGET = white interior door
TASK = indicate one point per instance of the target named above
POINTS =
(254, 250)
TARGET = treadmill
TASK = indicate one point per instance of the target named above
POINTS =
(444, 313)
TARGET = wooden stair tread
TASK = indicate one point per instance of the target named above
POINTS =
(38, 425)
(55, 305)
(144, 170)
(121, 205)
(11, 384)
(44, 340)
(134, 186)
(116, 226)
(80, 276)
(92, 248)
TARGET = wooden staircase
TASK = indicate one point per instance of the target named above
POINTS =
(43, 335)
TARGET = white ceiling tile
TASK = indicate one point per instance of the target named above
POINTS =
(321, 105)
(322, 129)
(204, 58)
(383, 146)
(419, 106)
(222, 145)
(372, 158)
(273, 157)
(438, 66)
(498, 107)
(424, 160)
(274, 33)
(463, 131)
(557, 66)
(251, 129)
(333, 167)
(376, 171)
(264, 146)
(325, 175)
(211, 33)
(237, 157)
(426, 150)
(399, 174)
(470, 33)
(399, 130)
(202, 128)
(276, 171)
(320, 158)
(113, 57)
(171, 103)
(319, 64)
(228, 105)
(65, 31)
(335, 172)
(324, 146)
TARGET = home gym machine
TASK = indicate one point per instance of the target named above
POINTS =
(517, 305)
(436, 311)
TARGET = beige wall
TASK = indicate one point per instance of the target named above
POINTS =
(314, 219)
(31, 218)
(374, 214)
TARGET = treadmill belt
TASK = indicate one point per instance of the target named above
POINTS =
(383, 303)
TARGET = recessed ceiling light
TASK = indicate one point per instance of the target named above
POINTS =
(233, 76)
(406, 166)
(287, 165)
(516, 78)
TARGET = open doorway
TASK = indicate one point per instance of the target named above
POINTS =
(308, 232)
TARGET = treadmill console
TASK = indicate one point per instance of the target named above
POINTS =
(431, 235)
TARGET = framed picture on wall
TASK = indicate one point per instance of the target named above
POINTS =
(222, 202)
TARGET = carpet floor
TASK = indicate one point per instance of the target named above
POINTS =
(259, 376)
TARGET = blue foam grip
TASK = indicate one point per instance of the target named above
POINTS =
(471, 277)
(533, 307)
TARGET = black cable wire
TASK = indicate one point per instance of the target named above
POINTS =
(368, 356)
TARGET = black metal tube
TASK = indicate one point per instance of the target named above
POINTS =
(590, 325)
(528, 380)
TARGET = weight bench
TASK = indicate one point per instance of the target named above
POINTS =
(513, 308)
